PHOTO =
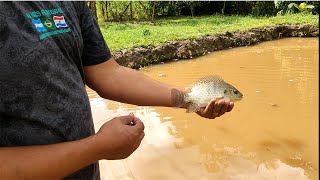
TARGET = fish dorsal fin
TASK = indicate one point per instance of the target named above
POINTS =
(210, 78)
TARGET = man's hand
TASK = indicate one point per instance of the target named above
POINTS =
(120, 137)
(216, 108)
(116, 139)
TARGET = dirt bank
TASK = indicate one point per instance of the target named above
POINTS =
(186, 49)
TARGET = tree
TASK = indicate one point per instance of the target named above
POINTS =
(92, 6)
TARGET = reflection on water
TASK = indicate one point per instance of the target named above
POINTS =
(271, 134)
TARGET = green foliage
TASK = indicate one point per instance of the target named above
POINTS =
(116, 11)
(264, 8)
(127, 35)
(304, 6)
(122, 27)
(146, 32)
(122, 10)
(291, 7)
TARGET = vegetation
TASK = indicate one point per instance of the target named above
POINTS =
(292, 7)
(115, 11)
(132, 34)
(127, 24)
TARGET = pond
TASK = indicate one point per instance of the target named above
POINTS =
(272, 133)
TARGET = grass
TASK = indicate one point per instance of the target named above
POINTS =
(128, 35)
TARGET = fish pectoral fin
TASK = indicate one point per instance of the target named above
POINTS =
(192, 108)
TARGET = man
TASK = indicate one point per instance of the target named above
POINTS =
(49, 51)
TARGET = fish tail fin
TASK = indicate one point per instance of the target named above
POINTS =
(192, 108)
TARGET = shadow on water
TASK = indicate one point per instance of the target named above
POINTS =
(271, 134)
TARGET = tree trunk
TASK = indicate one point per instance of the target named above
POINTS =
(223, 8)
(131, 16)
(192, 8)
(238, 7)
(102, 10)
(117, 19)
(153, 11)
(107, 14)
(146, 10)
(121, 15)
(92, 6)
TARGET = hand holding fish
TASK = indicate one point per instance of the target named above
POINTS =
(210, 97)
(215, 108)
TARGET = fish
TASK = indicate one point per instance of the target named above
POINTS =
(200, 93)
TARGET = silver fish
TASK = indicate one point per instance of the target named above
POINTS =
(207, 88)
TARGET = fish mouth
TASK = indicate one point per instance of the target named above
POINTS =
(236, 98)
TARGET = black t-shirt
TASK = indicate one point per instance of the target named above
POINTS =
(43, 48)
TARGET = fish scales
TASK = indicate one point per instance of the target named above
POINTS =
(207, 88)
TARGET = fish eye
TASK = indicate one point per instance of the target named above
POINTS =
(236, 92)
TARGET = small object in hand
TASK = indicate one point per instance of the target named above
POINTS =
(132, 123)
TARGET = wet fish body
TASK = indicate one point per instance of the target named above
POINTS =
(205, 89)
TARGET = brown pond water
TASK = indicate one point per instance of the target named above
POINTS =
(271, 134)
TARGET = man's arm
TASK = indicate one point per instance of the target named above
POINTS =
(116, 139)
(118, 83)
(48, 161)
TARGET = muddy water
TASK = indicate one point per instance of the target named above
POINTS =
(271, 134)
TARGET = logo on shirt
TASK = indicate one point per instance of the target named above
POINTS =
(48, 25)
(38, 24)
(59, 21)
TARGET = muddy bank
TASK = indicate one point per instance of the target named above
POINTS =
(186, 49)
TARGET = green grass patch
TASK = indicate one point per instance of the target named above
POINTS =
(142, 34)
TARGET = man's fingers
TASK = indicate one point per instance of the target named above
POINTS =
(137, 123)
(216, 108)
(141, 137)
(230, 107)
(132, 121)
(224, 108)
(127, 120)
(210, 106)
(218, 105)
(138, 142)
(201, 112)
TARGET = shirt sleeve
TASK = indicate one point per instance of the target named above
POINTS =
(95, 49)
